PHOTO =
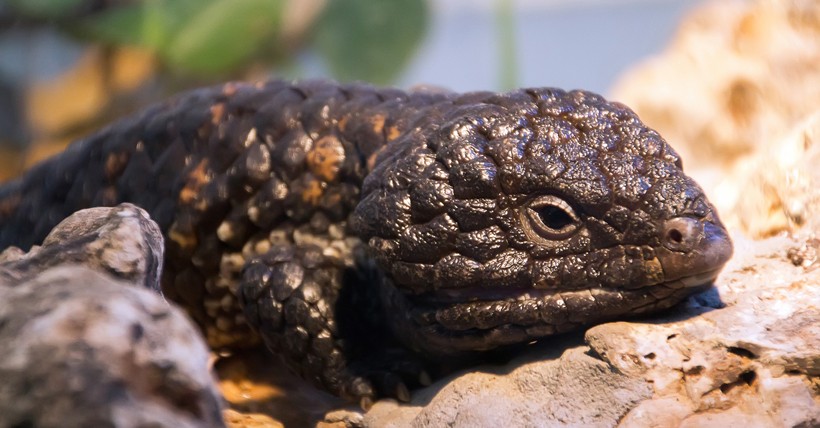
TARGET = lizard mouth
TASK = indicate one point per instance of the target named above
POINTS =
(451, 322)
(599, 295)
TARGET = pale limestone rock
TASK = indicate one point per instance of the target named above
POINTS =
(751, 362)
(565, 387)
(736, 73)
(738, 92)
(779, 188)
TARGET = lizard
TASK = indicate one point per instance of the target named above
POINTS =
(366, 233)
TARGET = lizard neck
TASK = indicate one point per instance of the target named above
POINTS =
(372, 120)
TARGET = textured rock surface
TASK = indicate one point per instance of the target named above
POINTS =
(121, 241)
(84, 344)
(539, 390)
(755, 361)
(83, 349)
(736, 74)
(780, 184)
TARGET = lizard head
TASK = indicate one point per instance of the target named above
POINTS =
(499, 219)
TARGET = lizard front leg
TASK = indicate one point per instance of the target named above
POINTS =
(324, 318)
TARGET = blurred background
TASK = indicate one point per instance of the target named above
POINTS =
(67, 67)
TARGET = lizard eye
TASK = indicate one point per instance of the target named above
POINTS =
(552, 218)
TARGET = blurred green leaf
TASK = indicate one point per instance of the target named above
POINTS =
(150, 23)
(198, 36)
(508, 60)
(223, 34)
(370, 40)
(44, 8)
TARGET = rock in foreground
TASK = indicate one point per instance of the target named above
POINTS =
(84, 343)
(121, 241)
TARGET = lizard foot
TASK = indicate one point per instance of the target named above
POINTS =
(320, 316)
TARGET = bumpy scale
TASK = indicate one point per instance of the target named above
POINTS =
(363, 231)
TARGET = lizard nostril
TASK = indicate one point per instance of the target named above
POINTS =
(681, 233)
(675, 236)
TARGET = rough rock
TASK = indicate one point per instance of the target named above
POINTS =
(754, 362)
(746, 352)
(122, 241)
(780, 185)
(83, 349)
(85, 344)
(574, 389)
(737, 72)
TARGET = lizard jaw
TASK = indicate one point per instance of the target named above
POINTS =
(481, 325)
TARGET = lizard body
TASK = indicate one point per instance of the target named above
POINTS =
(362, 231)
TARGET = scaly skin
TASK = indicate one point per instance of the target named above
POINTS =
(364, 232)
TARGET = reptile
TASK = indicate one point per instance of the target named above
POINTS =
(367, 234)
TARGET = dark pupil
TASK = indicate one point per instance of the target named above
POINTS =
(554, 217)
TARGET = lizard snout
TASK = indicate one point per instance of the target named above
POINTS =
(691, 247)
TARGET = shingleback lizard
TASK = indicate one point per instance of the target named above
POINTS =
(363, 232)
